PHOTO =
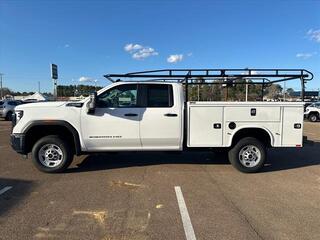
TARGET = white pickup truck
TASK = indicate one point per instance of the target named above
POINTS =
(313, 112)
(153, 116)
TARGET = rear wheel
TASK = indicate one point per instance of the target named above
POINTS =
(51, 154)
(313, 117)
(248, 155)
(9, 116)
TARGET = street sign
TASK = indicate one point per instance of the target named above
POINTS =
(54, 71)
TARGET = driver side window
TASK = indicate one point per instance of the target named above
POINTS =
(122, 96)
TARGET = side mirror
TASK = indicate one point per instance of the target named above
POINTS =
(92, 103)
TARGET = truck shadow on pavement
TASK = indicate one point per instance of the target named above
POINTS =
(106, 161)
(278, 159)
(291, 158)
(14, 195)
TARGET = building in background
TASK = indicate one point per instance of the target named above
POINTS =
(308, 95)
(36, 97)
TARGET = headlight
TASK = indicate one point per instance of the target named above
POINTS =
(19, 115)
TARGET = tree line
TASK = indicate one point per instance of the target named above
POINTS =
(76, 90)
(212, 92)
(62, 90)
(222, 91)
(8, 91)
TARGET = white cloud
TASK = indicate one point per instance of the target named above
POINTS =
(132, 47)
(86, 79)
(144, 53)
(66, 45)
(175, 58)
(189, 54)
(305, 55)
(139, 52)
(314, 35)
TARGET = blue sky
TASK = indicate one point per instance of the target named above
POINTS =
(87, 39)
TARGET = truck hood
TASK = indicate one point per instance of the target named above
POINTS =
(40, 105)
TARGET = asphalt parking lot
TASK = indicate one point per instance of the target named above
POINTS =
(137, 196)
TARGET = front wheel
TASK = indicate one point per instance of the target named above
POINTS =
(248, 155)
(313, 117)
(51, 154)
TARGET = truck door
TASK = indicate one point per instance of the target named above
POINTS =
(115, 123)
(161, 122)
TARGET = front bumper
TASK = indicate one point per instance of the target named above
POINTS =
(18, 143)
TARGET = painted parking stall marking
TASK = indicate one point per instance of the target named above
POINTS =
(3, 190)
(187, 225)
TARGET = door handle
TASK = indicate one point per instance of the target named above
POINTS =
(171, 115)
(131, 114)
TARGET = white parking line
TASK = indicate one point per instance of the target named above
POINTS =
(188, 229)
(3, 190)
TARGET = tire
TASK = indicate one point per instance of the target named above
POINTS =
(9, 116)
(51, 154)
(313, 117)
(242, 156)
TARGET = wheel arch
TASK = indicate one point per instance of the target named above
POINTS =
(34, 131)
(314, 112)
(258, 132)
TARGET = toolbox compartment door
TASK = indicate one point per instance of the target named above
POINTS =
(205, 126)
(253, 113)
(292, 127)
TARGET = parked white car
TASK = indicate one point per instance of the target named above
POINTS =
(313, 112)
(7, 108)
(153, 116)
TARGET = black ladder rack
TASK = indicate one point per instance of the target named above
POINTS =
(265, 77)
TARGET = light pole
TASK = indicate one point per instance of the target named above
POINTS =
(95, 84)
(75, 87)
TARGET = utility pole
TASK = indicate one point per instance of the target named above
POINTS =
(1, 96)
(95, 85)
(39, 91)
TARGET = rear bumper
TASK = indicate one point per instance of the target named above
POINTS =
(18, 143)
